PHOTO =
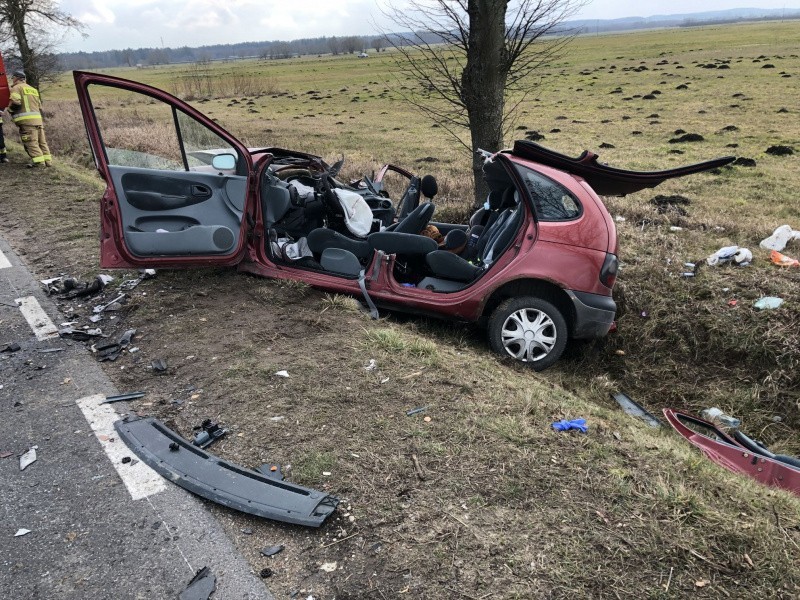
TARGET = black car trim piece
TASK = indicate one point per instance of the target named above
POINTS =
(123, 397)
(634, 409)
(605, 180)
(217, 480)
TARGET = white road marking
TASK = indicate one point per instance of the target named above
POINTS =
(41, 324)
(140, 479)
(4, 263)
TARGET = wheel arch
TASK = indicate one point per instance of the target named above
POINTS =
(539, 288)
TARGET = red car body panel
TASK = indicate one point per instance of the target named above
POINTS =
(5, 90)
(728, 453)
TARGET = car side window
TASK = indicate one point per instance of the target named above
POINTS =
(200, 143)
(552, 201)
(139, 131)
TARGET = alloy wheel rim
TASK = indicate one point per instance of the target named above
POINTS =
(529, 334)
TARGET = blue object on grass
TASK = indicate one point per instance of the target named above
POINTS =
(564, 425)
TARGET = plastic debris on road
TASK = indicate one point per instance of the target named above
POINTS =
(202, 585)
(566, 425)
(282, 374)
(21, 532)
(28, 458)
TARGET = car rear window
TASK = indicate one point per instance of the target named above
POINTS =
(551, 201)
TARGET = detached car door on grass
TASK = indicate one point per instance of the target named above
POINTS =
(178, 185)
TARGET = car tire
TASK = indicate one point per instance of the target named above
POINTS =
(530, 330)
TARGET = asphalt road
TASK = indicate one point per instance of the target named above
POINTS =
(99, 528)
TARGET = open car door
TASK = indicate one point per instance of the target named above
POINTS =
(180, 188)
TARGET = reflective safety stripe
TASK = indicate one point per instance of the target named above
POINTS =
(26, 116)
(38, 159)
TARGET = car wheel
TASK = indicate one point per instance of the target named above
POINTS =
(530, 330)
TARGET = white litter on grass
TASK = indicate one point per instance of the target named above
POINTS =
(371, 366)
(282, 374)
(278, 418)
(779, 238)
(105, 279)
(21, 532)
(385, 380)
(328, 567)
(28, 458)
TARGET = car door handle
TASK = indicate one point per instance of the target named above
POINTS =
(201, 191)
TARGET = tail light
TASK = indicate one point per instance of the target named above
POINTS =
(608, 273)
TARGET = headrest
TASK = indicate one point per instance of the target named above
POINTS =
(428, 186)
(495, 199)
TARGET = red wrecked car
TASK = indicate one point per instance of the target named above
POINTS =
(536, 264)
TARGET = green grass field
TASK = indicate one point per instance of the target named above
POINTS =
(509, 508)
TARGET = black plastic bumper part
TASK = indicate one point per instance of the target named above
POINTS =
(220, 481)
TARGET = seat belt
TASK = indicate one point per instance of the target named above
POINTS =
(362, 283)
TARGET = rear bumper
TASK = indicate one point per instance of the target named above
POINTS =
(594, 314)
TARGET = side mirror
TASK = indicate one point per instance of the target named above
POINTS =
(224, 162)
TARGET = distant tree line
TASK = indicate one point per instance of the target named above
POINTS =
(131, 57)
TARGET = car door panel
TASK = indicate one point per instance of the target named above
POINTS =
(164, 206)
(177, 213)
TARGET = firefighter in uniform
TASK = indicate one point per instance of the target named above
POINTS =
(25, 109)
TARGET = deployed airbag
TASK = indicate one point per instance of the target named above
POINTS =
(220, 481)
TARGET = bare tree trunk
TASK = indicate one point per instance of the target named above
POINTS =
(17, 23)
(483, 83)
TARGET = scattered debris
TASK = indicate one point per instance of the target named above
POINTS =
(328, 567)
(79, 335)
(159, 365)
(735, 254)
(28, 458)
(715, 415)
(6, 454)
(112, 350)
(123, 397)
(21, 532)
(768, 303)
(634, 409)
(126, 460)
(272, 550)
(202, 585)
(70, 288)
(782, 260)
(109, 305)
(565, 425)
(48, 350)
(416, 411)
(208, 432)
(282, 374)
(12, 347)
(221, 481)
(266, 573)
(779, 238)
(371, 366)
(739, 453)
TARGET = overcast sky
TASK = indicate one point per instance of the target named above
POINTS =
(117, 24)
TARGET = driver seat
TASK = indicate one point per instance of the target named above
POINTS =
(416, 220)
